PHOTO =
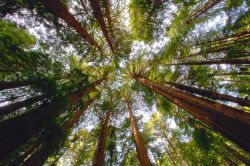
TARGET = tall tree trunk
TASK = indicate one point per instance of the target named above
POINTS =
(230, 38)
(210, 94)
(17, 105)
(57, 8)
(204, 8)
(26, 125)
(172, 161)
(48, 146)
(95, 4)
(230, 122)
(236, 154)
(243, 73)
(107, 14)
(14, 84)
(139, 143)
(221, 61)
(99, 158)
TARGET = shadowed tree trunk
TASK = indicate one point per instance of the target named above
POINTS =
(230, 122)
(26, 125)
(14, 84)
(99, 158)
(57, 8)
(236, 154)
(139, 143)
(20, 104)
(47, 147)
(210, 94)
(221, 61)
(107, 14)
(95, 4)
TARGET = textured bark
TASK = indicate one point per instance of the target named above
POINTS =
(236, 154)
(58, 9)
(99, 158)
(203, 9)
(222, 61)
(13, 84)
(47, 147)
(230, 122)
(95, 4)
(20, 104)
(139, 143)
(210, 94)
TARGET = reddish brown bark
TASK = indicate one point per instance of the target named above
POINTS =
(13, 84)
(57, 8)
(17, 105)
(95, 4)
(222, 61)
(99, 158)
(210, 94)
(230, 122)
(139, 143)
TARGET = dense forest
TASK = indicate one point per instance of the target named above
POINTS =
(125, 82)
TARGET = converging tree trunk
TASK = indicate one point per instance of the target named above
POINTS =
(95, 4)
(20, 104)
(221, 61)
(99, 158)
(14, 84)
(230, 122)
(54, 140)
(139, 143)
(57, 8)
(210, 94)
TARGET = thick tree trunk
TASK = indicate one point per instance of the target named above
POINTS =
(236, 154)
(221, 61)
(139, 143)
(20, 104)
(99, 158)
(13, 84)
(210, 94)
(26, 125)
(47, 147)
(57, 8)
(230, 122)
(95, 4)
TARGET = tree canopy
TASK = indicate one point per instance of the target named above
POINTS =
(125, 82)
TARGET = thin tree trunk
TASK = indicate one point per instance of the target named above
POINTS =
(14, 84)
(107, 13)
(230, 122)
(210, 94)
(236, 154)
(212, 62)
(244, 73)
(95, 4)
(139, 143)
(169, 155)
(17, 105)
(57, 8)
(204, 8)
(99, 158)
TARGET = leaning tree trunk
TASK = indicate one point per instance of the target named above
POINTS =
(230, 122)
(26, 125)
(57, 8)
(139, 143)
(14, 84)
(47, 147)
(221, 61)
(20, 104)
(99, 158)
(210, 94)
(95, 4)
(203, 9)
